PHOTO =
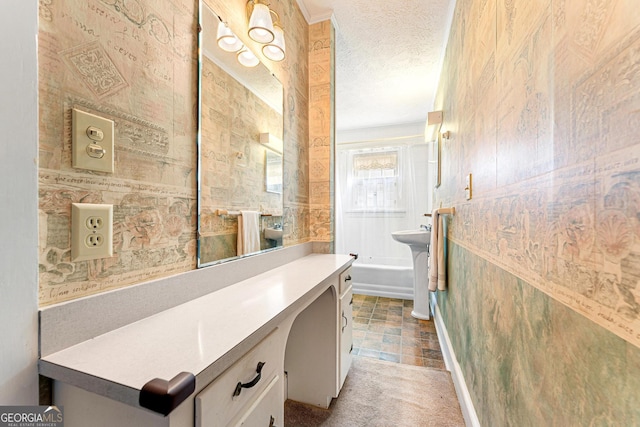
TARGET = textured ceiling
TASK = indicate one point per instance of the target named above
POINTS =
(388, 56)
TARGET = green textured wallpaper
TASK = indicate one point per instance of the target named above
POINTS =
(531, 361)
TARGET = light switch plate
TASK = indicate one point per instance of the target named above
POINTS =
(91, 231)
(468, 190)
(91, 142)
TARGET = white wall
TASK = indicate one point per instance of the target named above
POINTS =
(19, 203)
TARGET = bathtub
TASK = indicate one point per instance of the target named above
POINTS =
(382, 280)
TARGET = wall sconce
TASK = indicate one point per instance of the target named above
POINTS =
(226, 39)
(446, 135)
(247, 58)
(260, 23)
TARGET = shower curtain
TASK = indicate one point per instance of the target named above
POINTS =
(381, 188)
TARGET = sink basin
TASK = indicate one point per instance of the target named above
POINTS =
(418, 241)
(273, 233)
(412, 237)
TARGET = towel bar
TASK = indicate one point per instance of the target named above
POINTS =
(220, 212)
(444, 211)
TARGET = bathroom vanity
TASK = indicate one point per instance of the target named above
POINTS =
(228, 356)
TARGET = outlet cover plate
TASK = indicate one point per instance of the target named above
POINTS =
(91, 142)
(91, 231)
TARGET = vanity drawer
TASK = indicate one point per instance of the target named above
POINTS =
(345, 280)
(224, 399)
(267, 410)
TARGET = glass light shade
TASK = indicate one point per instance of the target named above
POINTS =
(275, 50)
(260, 24)
(228, 41)
(247, 58)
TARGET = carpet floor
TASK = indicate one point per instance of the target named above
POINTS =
(378, 393)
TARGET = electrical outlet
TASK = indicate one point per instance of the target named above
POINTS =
(91, 231)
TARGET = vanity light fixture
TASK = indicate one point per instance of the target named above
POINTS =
(247, 58)
(227, 40)
(275, 50)
(260, 22)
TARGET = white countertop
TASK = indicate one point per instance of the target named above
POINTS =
(194, 335)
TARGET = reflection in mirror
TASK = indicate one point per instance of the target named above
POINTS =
(274, 172)
(238, 106)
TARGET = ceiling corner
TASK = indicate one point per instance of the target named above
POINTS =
(304, 10)
(322, 16)
(314, 11)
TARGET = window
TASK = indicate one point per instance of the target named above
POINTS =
(373, 180)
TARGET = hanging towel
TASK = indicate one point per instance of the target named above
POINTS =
(248, 232)
(437, 262)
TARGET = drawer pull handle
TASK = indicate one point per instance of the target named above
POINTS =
(272, 422)
(351, 302)
(355, 256)
(251, 383)
(346, 321)
(351, 349)
(348, 278)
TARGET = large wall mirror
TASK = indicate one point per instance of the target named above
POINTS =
(240, 203)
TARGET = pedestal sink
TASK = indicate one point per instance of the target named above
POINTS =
(418, 241)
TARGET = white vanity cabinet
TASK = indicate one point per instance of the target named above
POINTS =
(346, 325)
(228, 358)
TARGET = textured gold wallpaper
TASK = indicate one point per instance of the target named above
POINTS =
(135, 62)
(321, 136)
(542, 100)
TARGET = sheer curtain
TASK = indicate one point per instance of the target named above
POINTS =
(381, 188)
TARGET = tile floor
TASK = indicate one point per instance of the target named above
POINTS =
(384, 329)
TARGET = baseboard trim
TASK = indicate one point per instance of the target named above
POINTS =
(451, 362)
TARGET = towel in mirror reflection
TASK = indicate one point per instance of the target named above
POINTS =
(248, 232)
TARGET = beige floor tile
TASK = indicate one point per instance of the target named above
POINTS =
(376, 326)
(410, 334)
(411, 360)
(411, 351)
(393, 330)
(379, 316)
(395, 348)
(369, 353)
(390, 357)
(392, 339)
